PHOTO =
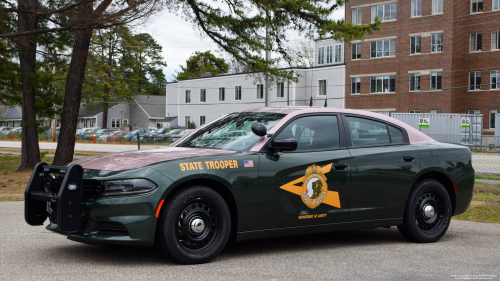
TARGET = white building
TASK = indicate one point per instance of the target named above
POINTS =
(200, 100)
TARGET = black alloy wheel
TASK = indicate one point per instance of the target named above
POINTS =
(428, 212)
(194, 225)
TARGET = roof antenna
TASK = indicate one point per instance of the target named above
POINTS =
(311, 104)
(325, 102)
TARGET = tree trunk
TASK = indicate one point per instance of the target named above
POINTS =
(105, 107)
(72, 98)
(27, 61)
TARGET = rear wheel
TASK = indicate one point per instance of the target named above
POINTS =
(428, 212)
(194, 225)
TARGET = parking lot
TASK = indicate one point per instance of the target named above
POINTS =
(468, 250)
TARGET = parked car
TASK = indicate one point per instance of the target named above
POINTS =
(5, 130)
(174, 137)
(129, 135)
(144, 135)
(104, 136)
(16, 132)
(118, 136)
(88, 133)
(101, 132)
(300, 171)
(160, 135)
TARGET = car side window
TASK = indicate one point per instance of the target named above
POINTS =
(396, 135)
(365, 132)
(313, 132)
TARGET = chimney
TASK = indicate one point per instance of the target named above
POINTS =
(205, 74)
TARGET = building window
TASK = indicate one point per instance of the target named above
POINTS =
(356, 16)
(436, 80)
(356, 51)
(435, 111)
(437, 42)
(385, 12)
(115, 123)
(414, 82)
(187, 120)
(474, 112)
(476, 42)
(355, 85)
(125, 121)
(383, 48)
(329, 54)
(321, 55)
(203, 95)
(338, 53)
(202, 120)
(437, 7)
(496, 5)
(237, 93)
(493, 117)
(188, 96)
(476, 6)
(222, 94)
(415, 45)
(321, 87)
(495, 40)
(280, 90)
(260, 91)
(495, 80)
(382, 84)
(416, 8)
(414, 111)
(475, 80)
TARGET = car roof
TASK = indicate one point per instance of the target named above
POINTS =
(414, 135)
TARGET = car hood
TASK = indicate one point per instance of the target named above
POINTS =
(139, 158)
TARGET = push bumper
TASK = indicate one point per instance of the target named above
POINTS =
(127, 220)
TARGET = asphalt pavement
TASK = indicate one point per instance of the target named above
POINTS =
(468, 251)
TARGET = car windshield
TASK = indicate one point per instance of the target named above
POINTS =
(231, 132)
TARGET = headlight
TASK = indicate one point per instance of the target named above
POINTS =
(126, 187)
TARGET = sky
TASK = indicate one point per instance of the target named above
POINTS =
(180, 40)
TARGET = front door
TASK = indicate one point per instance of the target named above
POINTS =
(383, 168)
(310, 185)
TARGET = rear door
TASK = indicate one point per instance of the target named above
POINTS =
(383, 168)
(310, 185)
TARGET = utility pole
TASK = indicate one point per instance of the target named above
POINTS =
(268, 58)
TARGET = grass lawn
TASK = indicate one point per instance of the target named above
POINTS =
(12, 183)
(484, 207)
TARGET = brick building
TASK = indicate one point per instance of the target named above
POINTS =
(439, 56)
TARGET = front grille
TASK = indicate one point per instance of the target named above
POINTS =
(91, 189)
(111, 228)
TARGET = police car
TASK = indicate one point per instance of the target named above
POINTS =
(255, 174)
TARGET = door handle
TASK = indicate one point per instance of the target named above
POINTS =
(340, 166)
(408, 158)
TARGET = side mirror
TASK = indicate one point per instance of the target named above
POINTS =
(280, 145)
(259, 129)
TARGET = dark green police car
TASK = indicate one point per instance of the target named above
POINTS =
(259, 173)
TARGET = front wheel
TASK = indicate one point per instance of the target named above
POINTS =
(194, 225)
(428, 212)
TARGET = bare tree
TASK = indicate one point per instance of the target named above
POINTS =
(301, 53)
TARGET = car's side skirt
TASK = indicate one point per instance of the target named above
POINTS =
(299, 230)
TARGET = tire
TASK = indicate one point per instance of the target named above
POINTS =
(180, 233)
(419, 225)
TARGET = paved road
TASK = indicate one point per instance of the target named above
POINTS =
(486, 163)
(33, 253)
(82, 146)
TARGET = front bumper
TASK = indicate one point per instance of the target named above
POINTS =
(122, 219)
